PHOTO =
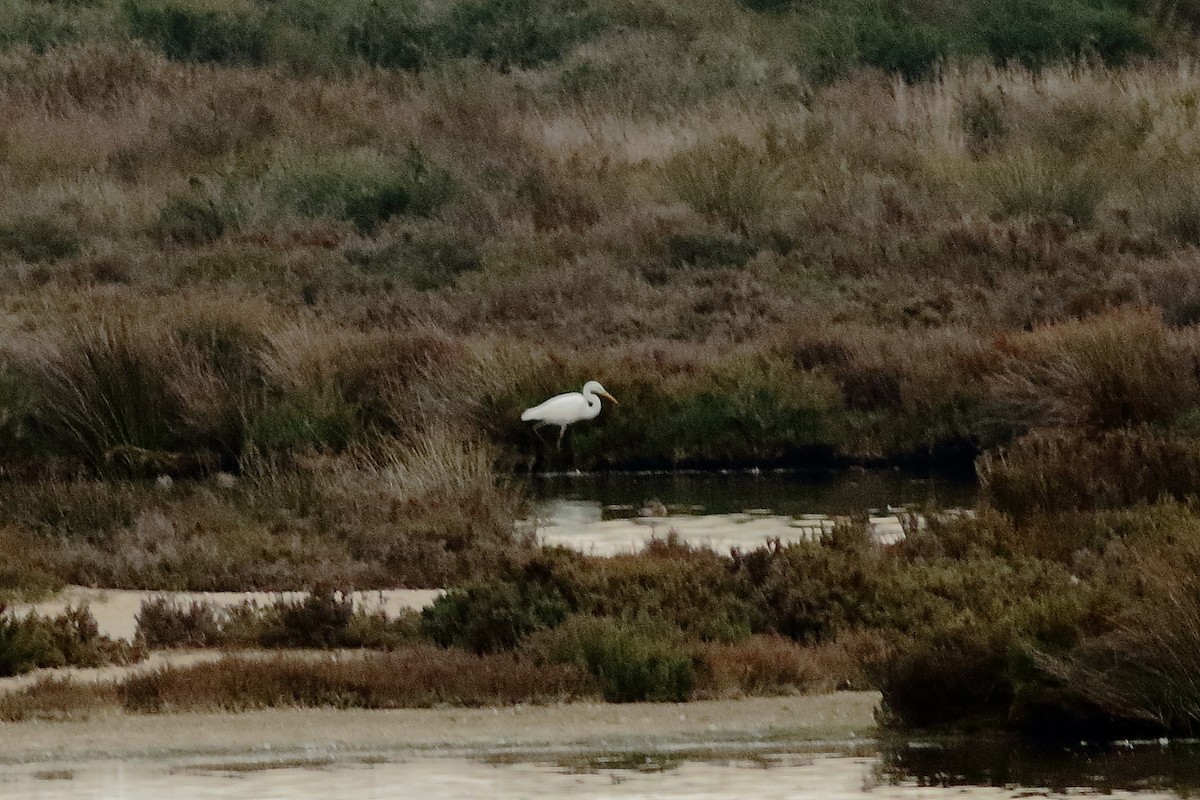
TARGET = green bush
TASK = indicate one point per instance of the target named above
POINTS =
(70, 639)
(107, 398)
(312, 417)
(391, 37)
(948, 675)
(43, 26)
(693, 590)
(186, 31)
(164, 623)
(710, 250)
(810, 591)
(423, 256)
(518, 33)
(729, 182)
(1062, 470)
(38, 239)
(194, 218)
(321, 620)
(634, 661)
(1035, 34)
(907, 46)
(492, 616)
(1045, 186)
(364, 188)
(26, 645)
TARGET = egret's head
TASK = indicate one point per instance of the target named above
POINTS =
(594, 387)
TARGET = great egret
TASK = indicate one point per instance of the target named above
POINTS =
(563, 409)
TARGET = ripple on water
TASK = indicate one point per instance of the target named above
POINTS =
(929, 773)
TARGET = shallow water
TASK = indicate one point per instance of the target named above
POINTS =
(607, 514)
(603, 496)
(904, 771)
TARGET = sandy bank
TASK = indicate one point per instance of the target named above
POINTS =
(595, 726)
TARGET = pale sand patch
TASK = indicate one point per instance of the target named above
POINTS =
(839, 717)
(721, 532)
(116, 610)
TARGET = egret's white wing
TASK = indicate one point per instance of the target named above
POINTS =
(562, 409)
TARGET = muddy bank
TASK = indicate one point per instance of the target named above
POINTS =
(835, 718)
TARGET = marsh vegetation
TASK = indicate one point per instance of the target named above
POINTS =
(276, 280)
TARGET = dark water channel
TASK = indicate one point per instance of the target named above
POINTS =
(1161, 767)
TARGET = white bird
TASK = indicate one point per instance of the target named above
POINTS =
(563, 409)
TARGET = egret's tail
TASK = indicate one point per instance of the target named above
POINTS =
(527, 415)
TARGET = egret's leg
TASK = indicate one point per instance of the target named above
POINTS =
(537, 428)
(561, 430)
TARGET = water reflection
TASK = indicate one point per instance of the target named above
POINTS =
(593, 497)
(989, 771)
(1124, 766)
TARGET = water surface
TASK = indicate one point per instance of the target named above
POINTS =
(931, 772)
(785, 493)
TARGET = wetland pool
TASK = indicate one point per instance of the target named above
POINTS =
(598, 496)
(990, 771)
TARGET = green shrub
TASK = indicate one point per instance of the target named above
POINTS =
(391, 37)
(313, 417)
(518, 33)
(491, 616)
(948, 675)
(729, 182)
(38, 239)
(106, 397)
(1061, 470)
(194, 218)
(1035, 34)
(69, 639)
(164, 623)
(364, 188)
(423, 256)
(1045, 186)
(903, 45)
(1137, 673)
(321, 620)
(187, 31)
(813, 592)
(26, 645)
(44, 26)
(694, 590)
(710, 250)
(634, 661)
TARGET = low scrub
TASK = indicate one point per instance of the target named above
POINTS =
(70, 639)
(632, 661)
(362, 187)
(773, 665)
(322, 619)
(1119, 368)
(730, 182)
(38, 239)
(1063, 470)
(422, 677)
(487, 617)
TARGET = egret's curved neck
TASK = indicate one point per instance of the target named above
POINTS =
(592, 400)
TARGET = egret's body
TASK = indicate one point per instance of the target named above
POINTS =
(564, 409)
